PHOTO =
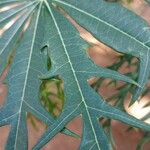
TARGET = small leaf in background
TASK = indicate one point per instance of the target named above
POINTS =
(52, 95)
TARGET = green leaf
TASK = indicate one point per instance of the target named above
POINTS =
(148, 1)
(70, 62)
(38, 24)
(117, 27)
(23, 78)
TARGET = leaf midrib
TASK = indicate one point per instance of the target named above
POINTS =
(8, 1)
(27, 72)
(11, 37)
(112, 26)
(111, 113)
(74, 74)
(121, 31)
(19, 10)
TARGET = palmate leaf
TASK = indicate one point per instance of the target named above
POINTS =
(45, 26)
(22, 79)
(27, 66)
(116, 27)
(70, 62)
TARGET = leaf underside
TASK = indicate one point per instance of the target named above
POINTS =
(38, 23)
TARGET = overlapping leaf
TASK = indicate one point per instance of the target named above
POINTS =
(23, 77)
(70, 62)
(116, 27)
(45, 26)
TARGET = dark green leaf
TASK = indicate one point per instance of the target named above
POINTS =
(41, 24)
